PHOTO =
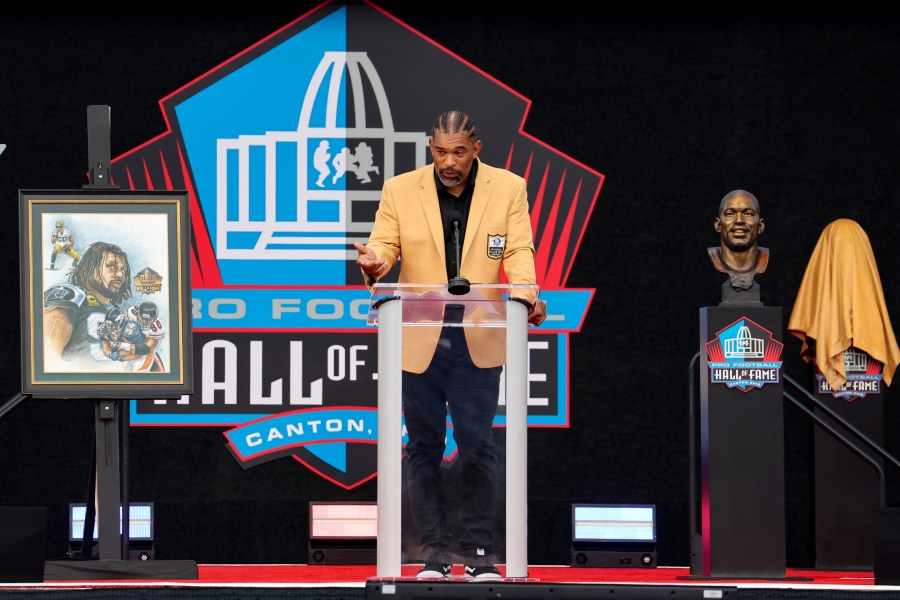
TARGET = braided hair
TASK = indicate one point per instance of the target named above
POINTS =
(454, 121)
(92, 259)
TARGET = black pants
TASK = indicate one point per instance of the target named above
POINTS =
(452, 382)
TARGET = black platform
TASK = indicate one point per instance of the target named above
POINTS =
(378, 589)
(81, 570)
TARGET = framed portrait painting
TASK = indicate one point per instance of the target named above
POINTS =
(105, 284)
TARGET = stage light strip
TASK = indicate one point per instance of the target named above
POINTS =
(607, 523)
(140, 521)
(343, 520)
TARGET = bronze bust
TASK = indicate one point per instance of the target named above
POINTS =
(739, 225)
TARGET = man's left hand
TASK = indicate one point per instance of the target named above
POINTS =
(538, 313)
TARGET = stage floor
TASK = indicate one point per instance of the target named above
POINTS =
(334, 582)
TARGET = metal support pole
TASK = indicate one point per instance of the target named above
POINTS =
(390, 440)
(516, 439)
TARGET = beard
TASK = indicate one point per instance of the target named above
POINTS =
(450, 178)
(110, 289)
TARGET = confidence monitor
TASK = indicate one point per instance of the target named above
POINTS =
(613, 535)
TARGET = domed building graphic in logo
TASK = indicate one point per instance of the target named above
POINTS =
(284, 149)
(743, 346)
(269, 209)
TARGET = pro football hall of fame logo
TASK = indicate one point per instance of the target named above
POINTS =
(284, 149)
(745, 356)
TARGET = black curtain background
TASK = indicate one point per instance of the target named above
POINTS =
(675, 110)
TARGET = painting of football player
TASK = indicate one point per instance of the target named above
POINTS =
(121, 338)
(63, 241)
(147, 315)
(73, 310)
(131, 337)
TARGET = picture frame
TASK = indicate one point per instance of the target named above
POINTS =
(105, 293)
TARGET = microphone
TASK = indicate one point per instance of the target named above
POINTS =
(457, 285)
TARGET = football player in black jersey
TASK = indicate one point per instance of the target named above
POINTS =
(74, 310)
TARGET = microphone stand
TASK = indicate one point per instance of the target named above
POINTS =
(457, 286)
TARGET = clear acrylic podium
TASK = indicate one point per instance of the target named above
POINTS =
(413, 315)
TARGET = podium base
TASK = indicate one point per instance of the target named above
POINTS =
(67, 570)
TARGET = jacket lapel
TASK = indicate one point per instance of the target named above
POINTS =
(479, 204)
(431, 207)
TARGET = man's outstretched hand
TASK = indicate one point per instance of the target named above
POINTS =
(368, 262)
(538, 313)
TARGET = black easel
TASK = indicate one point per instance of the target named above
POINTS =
(108, 486)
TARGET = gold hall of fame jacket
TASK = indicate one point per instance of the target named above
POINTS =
(498, 233)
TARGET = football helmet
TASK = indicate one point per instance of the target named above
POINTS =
(115, 321)
(147, 313)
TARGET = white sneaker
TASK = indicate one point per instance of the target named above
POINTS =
(489, 572)
(434, 571)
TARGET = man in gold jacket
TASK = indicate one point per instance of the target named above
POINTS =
(446, 367)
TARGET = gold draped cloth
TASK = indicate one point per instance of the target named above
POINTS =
(841, 304)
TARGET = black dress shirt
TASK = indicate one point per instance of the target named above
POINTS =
(451, 204)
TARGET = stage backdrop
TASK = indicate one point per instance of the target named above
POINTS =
(628, 128)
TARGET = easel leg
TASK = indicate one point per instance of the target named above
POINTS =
(11, 404)
(108, 479)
